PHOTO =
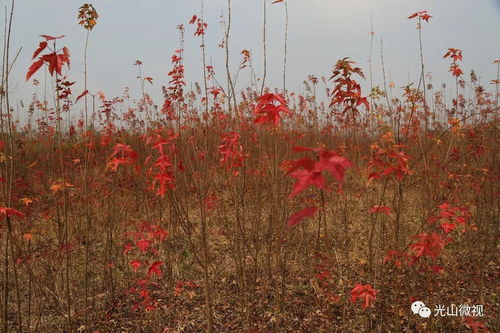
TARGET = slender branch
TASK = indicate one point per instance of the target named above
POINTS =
(286, 48)
(265, 49)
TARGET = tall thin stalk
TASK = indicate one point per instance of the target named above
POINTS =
(204, 232)
(383, 74)
(497, 84)
(265, 48)
(230, 83)
(85, 185)
(286, 49)
(7, 188)
(370, 61)
(422, 74)
(65, 197)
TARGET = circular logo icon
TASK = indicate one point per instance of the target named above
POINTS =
(416, 306)
(424, 312)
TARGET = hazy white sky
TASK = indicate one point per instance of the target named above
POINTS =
(320, 32)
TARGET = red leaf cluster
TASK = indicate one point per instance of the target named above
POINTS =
(246, 58)
(162, 169)
(231, 151)
(54, 60)
(428, 245)
(421, 15)
(154, 269)
(475, 325)
(364, 292)
(397, 257)
(451, 216)
(175, 91)
(201, 26)
(7, 211)
(455, 55)
(269, 113)
(122, 155)
(347, 92)
(87, 16)
(180, 286)
(388, 161)
(310, 173)
(381, 209)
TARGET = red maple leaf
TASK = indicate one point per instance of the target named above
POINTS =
(381, 209)
(85, 92)
(41, 47)
(115, 163)
(164, 181)
(135, 265)
(365, 292)
(47, 37)
(454, 54)
(300, 215)
(425, 17)
(7, 211)
(161, 234)
(155, 269)
(421, 15)
(334, 164)
(428, 245)
(142, 244)
(65, 55)
(33, 68)
(310, 173)
(474, 324)
(122, 154)
(448, 227)
(306, 178)
(127, 248)
(396, 256)
(53, 60)
(268, 112)
(436, 269)
(455, 70)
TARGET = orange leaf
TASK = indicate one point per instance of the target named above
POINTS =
(26, 201)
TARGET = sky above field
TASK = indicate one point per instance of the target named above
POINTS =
(320, 32)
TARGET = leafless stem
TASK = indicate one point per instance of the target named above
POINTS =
(265, 48)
